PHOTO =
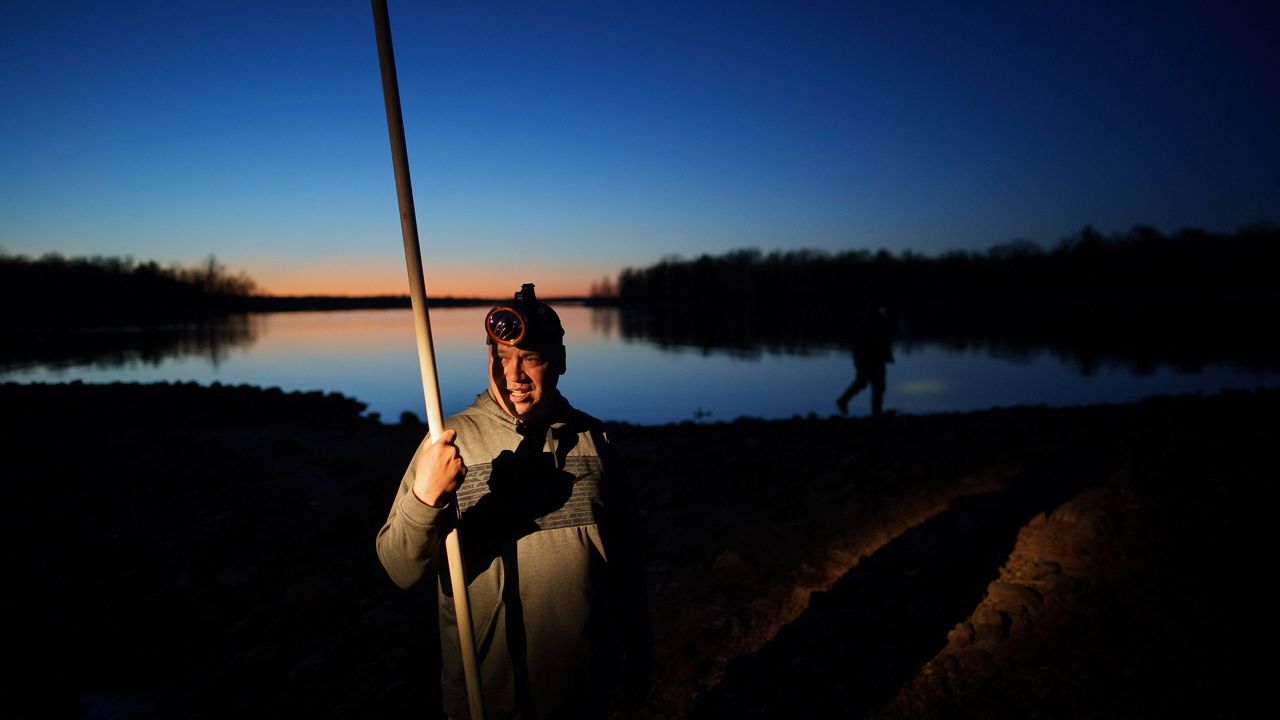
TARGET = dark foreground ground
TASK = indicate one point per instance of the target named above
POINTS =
(179, 551)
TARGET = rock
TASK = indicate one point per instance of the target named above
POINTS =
(730, 569)
(987, 615)
(976, 661)
(1020, 621)
(1012, 595)
(261, 654)
(1097, 525)
(310, 667)
(961, 635)
(1067, 514)
(117, 704)
(799, 598)
(988, 633)
(238, 575)
(950, 664)
(1067, 584)
(763, 607)
(1043, 569)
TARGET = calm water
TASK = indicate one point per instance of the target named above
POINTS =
(370, 355)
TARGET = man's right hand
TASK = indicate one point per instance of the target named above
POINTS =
(440, 471)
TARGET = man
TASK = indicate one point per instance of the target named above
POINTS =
(872, 348)
(548, 533)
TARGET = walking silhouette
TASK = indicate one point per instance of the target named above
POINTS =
(872, 350)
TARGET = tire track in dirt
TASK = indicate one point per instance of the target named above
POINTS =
(862, 639)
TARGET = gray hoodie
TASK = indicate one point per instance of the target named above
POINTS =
(548, 532)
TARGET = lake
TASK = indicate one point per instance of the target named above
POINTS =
(370, 355)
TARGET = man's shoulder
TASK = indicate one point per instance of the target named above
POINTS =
(593, 434)
(582, 421)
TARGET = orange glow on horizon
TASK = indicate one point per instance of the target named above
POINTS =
(442, 281)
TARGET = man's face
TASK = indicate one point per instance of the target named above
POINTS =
(521, 380)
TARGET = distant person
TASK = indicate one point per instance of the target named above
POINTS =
(872, 350)
(548, 531)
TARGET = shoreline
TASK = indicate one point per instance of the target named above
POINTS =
(364, 414)
(184, 549)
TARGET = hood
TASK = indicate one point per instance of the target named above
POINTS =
(561, 412)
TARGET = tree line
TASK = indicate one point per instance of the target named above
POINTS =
(1136, 268)
(1192, 297)
(56, 291)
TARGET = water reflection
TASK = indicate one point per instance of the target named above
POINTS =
(604, 322)
(623, 366)
(118, 347)
(1189, 341)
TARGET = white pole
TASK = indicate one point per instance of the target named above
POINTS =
(426, 353)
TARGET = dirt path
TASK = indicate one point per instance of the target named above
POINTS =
(1096, 584)
(866, 636)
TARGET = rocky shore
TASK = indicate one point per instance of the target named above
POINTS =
(187, 551)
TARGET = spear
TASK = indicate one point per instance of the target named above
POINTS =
(426, 353)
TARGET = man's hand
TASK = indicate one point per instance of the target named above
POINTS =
(440, 470)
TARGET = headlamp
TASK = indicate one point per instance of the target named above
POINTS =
(523, 320)
(506, 325)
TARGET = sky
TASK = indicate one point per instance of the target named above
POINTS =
(559, 142)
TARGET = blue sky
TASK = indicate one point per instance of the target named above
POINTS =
(556, 142)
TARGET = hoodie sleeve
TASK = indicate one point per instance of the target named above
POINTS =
(411, 542)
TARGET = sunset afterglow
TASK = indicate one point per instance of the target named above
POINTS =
(442, 280)
(559, 145)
